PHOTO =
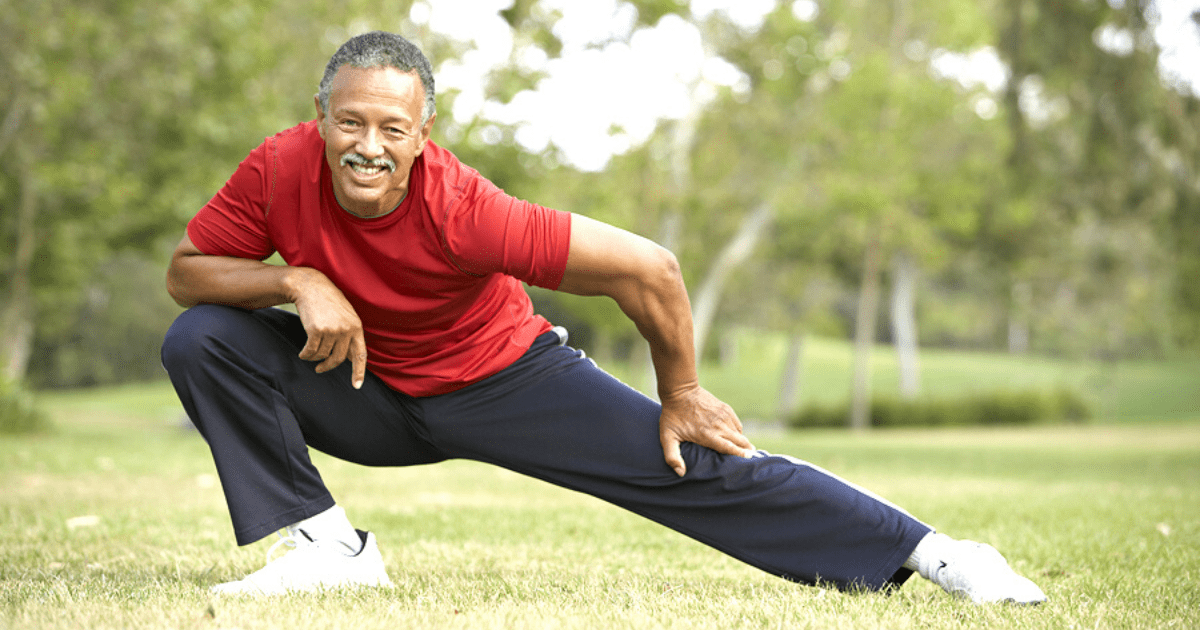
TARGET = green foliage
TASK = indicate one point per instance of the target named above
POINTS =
(649, 12)
(1099, 151)
(536, 23)
(1019, 408)
(1069, 211)
(110, 332)
(18, 413)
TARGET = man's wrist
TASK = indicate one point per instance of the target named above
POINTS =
(678, 391)
(294, 282)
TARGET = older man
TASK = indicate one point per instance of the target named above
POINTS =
(405, 269)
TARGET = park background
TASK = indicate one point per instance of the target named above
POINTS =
(896, 214)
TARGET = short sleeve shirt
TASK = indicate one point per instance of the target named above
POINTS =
(436, 282)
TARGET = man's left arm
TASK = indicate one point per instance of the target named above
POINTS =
(645, 281)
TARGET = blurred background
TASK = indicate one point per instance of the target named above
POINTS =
(876, 204)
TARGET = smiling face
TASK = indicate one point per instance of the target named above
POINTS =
(373, 133)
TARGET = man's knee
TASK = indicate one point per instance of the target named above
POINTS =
(193, 333)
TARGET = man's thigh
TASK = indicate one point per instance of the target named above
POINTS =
(246, 369)
(554, 415)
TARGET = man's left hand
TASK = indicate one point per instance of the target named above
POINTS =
(694, 415)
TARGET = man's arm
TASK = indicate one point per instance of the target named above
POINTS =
(334, 330)
(645, 281)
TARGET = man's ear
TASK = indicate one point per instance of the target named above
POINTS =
(426, 130)
(320, 115)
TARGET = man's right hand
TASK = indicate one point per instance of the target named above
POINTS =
(335, 332)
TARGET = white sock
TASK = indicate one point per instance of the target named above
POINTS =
(330, 525)
(927, 557)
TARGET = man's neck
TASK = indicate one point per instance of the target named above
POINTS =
(373, 216)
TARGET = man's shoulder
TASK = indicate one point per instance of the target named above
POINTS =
(444, 169)
(302, 138)
(291, 157)
(450, 183)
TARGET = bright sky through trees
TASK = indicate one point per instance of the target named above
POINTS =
(604, 96)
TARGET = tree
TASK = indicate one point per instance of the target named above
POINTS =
(1101, 155)
(120, 118)
(880, 160)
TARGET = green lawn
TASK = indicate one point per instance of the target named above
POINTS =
(1105, 517)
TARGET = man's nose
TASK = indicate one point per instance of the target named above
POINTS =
(368, 144)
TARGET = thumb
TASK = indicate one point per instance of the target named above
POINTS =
(672, 455)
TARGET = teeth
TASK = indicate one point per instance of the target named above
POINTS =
(366, 170)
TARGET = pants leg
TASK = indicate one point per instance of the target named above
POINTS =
(260, 407)
(554, 415)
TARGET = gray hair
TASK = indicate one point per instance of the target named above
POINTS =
(375, 50)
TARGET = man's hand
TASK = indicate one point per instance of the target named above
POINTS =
(694, 415)
(335, 332)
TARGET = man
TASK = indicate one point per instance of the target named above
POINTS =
(404, 261)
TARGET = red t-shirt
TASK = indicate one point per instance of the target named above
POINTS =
(437, 282)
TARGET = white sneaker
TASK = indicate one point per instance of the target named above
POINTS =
(978, 572)
(312, 566)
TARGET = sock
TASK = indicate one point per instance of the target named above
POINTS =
(927, 557)
(330, 526)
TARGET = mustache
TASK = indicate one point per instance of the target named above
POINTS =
(358, 159)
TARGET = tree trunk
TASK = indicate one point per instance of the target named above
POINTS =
(728, 354)
(789, 382)
(904, 324)
(1012, 41)
(12, 122)
(1018, 318)
(16, 334)
(864, 333)
(735, 252)
(602, 346)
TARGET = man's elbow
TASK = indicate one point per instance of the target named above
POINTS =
(180, 299)
(175, 288)
(666, 271)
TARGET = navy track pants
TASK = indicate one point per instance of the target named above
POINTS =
(552, 415)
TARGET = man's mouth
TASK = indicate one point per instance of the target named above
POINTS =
(366, 170)
(363, 166)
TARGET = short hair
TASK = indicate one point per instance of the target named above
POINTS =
(375, 50)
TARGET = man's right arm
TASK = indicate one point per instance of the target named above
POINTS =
(334, 329)
(195, 277)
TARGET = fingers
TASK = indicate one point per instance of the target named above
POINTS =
(335, 358)
(330, 350)
(740, 441)
(358, 360)
(731, 445)
(333, 350)
(312, 349)
(728, 444)
(672, 455)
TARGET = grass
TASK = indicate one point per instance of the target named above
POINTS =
(116, 521)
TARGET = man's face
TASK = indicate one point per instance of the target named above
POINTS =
(372, 134)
